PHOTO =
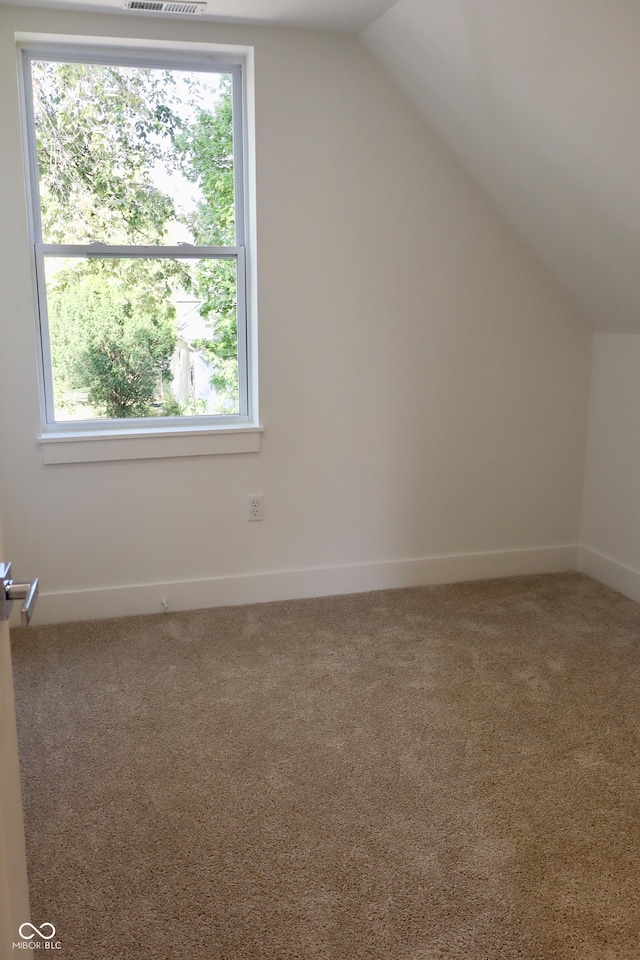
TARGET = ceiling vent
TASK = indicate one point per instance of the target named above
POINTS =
(164, 6)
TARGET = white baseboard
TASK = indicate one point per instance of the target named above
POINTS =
(121, 601)
(611, 572)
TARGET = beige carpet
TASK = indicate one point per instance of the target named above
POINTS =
(446, 772)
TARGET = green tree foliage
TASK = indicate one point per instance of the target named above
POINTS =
(99, 132)
(207, 147)
(103, 135)
(110, 338)
(207, 153)
(216, 285)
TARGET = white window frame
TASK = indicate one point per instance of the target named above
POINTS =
(141, 438)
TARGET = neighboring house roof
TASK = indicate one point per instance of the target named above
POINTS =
(190, 325)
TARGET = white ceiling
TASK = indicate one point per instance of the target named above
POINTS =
(348, 16)
(538, 100)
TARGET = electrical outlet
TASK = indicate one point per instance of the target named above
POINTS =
(254, 508)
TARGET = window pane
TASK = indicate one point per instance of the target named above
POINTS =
(134, 337)
(131, 155)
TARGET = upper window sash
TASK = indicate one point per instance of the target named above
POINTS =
(132, 57)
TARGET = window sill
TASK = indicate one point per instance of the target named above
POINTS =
(148, 444)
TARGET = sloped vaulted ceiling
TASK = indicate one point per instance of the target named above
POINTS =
(540, 102)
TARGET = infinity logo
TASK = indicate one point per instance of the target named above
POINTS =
(45, 936)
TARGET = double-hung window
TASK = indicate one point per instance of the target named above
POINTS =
(138, 185)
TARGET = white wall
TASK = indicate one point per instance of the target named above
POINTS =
(423, 383)
(611, 523)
